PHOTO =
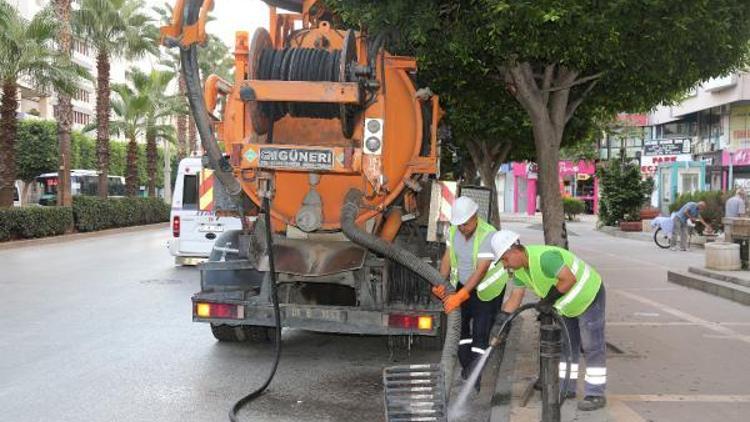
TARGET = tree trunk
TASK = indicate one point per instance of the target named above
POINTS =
(8, 131)
(182, 149)
(151, 164)
(487, 157)
(131, 169)
(64, 109)
(102, 121)
(548, 157)
(549, 111)
(192, 135)
(167, 174)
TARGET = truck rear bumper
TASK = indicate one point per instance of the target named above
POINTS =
(328, 319)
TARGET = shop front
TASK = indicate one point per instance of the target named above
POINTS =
(738, 161)
(577, 180)
(675, 178)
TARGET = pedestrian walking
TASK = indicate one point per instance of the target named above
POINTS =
(691, 212)
(735, 206)
(570, 287)
(479, 283)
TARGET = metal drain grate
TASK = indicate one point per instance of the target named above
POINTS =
(415, 393)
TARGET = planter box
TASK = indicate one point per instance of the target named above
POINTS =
(631, 226)
(649, 213)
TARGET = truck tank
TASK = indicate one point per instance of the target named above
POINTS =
(314, 113)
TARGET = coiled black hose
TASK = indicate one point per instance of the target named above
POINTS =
(299, 64)
(349, 214)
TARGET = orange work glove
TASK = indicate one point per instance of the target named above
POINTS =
(439, 291)
(452, 302)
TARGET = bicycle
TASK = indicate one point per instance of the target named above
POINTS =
(663, 238)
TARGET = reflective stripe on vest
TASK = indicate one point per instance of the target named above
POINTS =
(574, 302)
(496, 277)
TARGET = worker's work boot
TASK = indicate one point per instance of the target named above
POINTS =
(592, 403)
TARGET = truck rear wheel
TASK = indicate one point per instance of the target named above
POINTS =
(240, 333)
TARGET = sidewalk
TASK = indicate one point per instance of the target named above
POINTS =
(12, 244)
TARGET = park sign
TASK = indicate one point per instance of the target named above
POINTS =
(656, 147)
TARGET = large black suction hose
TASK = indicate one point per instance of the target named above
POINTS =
(349, 214)
(191, 72)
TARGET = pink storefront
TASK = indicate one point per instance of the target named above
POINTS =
(577, 180)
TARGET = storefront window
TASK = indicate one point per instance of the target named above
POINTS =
(689, 182)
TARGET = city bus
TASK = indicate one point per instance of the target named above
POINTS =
(83, 182)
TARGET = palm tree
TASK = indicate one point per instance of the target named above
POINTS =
(171, 60)
(130, 122)
(116, 28)
(160, 107)
(64, 108)
(27, 53)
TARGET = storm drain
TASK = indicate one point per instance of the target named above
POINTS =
(415, 393)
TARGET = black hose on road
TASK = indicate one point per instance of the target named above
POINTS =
(276, 314)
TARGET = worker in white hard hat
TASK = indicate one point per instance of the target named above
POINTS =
(479, 284)
(570, 287)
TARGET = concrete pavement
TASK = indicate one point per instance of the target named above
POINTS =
(675, 354)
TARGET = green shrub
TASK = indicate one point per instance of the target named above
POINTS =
(31, 222)
(623, 192)
(573, 207)
(92, 213)
(714, 211)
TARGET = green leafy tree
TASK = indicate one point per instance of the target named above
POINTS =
(623, 192)
(116, 28)
(560, 60)
(26, 51)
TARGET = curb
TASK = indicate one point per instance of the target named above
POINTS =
(719, 276)
(726, 290)
(65, 238)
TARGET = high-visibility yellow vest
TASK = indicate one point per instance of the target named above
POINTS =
(496, 277)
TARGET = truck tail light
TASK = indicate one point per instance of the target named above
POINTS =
(218, 310)
(420, 322)
(176, 226)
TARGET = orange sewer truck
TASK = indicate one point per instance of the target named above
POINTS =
(326, 127)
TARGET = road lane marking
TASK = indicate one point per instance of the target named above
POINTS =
(686, 316)
(694, 398)
(671, 324)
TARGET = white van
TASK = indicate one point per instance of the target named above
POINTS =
(194, 230)
(17, 189)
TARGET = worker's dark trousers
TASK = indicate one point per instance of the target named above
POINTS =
(587, 334)
(477, 317)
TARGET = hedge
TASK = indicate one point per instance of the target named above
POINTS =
(92, 213)
(31, 222)
(573, 207)
(87, 214)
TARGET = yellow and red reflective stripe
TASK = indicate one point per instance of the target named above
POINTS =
(206, 190)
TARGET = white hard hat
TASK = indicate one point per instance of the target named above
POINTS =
(463, 209)
(502, 241)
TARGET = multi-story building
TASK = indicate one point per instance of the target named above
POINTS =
(34, 103)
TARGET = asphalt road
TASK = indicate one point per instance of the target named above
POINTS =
(100, 329)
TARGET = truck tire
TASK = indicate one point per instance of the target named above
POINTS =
(240, 333)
